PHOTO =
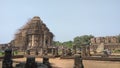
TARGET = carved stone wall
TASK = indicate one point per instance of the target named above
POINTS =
(106, 40)
(98, 40)
(93, 40)
(110, 42)
(114, 39)
(34, 35)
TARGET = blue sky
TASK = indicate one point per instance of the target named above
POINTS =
(65, 18)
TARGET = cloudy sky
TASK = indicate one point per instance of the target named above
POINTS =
(65, 18)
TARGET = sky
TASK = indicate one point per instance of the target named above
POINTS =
(65, 18)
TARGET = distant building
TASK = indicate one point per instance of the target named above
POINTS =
(109, 42)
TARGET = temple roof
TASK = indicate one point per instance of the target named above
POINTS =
(33, 25)
(36, 18)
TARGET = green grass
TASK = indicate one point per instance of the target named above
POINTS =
(1, 54)
(15, 53)
(116, 51)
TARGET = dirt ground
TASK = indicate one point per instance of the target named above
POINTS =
(69, 63)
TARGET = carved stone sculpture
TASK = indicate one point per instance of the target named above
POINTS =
(30, 63)
(7, 61)
(78, 61)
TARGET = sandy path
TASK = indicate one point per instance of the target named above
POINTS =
(68, 63)
(56, 62)
(100, 64)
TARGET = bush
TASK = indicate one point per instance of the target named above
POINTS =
(116, 51)
(15, 52)
(2, 53)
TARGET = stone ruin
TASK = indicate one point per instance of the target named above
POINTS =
(109, 42)
(34, 37)
(105, 40)
(30, 62)
(66, 52)
(84, 51)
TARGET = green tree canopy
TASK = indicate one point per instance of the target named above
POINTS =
(68, 44)
(57, 43)
(80, 40)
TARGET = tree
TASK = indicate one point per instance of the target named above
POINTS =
(68, 44)
(57, 43)
(80, 40)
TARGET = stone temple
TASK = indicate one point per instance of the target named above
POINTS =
(35, 35)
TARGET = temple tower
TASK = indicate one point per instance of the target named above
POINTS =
(34, 35)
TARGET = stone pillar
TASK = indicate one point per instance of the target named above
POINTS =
(31, 63)
(78, 61)
(46, 62)
(93, 40)
(53, 52)
(74, 49)
(41, 51)
(114, 39)
(41, 40)
(83, 53)
(102, 40)
(108, 39)
(88, 50)
(33, 38)
(44, 44)
(7, 61)
(98, 40)
(41, 44)
(56, 51)
(29, 41)
(63, 52)
(49, 41)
